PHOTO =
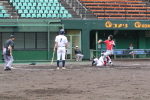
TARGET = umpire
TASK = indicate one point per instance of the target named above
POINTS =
(7, 52)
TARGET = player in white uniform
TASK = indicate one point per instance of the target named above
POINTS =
(61, 43)
(100, 61)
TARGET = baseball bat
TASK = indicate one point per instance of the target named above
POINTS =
(52, 58)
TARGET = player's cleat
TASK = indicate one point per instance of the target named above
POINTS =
(57, 67)
(63, 68)
(7, 68)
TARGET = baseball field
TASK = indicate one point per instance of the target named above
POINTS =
(127, 80)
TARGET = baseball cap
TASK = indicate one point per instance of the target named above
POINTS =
(76, 46)
(12, 36)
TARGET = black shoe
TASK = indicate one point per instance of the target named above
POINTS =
(8, 68)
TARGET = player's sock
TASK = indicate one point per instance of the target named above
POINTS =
(57, 63)
(104, 63)
(63, 63)
(93, 62)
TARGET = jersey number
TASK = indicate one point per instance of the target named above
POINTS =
(60, 39)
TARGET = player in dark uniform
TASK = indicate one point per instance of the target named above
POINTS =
(7, 52)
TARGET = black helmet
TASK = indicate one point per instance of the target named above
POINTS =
(12, 36)
(62, 31)
(111, 36)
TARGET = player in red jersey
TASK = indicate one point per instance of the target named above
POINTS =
(109, 46)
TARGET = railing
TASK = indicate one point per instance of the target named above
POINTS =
(123, 53)
(78, 7)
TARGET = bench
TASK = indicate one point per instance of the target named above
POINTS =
(126, 52)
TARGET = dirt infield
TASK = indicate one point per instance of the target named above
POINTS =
(127, 80)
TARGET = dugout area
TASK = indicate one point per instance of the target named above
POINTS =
(123, 38)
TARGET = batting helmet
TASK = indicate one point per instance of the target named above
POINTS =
(12, 36)
(111, 37)
(62, 31)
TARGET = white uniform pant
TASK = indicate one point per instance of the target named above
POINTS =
(61, 52)
(107, 53)
(99, 62)
(79, 57)
(8, 59)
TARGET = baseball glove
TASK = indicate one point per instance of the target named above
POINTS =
(99, 41)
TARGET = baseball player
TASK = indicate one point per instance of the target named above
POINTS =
(109, 46)
(61, 43)
(100, 61)
(7, 52)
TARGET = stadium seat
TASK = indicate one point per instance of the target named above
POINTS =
(54, 4)
(29, 4)
(22, 1)
(20, 11)
(59, 15)
(51, 12)
(23, 15)
(52, 8)
(69, 16)
(6, 15)
(49, 4)
(16, 0)
(55, 1)
(47, 8)
(43, 15)
(1, 15)
(55, 11)
(61, 12)
(65, 12)
(38, 8)
(62, 8)
(54, 15)
(14, 4)
(33, 15)
(41, 1)
(28, 15)
(46, 1)
(3, 11)
(49, 16)
(44, 4)
(26, 11)
(19, 4)
(38, 15)
(64, 16)
(31, 11)
(39, 4)
(23, 8)
(11, 1)
(42, 8)
(45, 11)
(34, 4)
(26, 1)
(17, 7)
(57, 8)
(32, 8)
(40, 11)
(1, 7)
(25, 4)
(28, 8)
(32, 1)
